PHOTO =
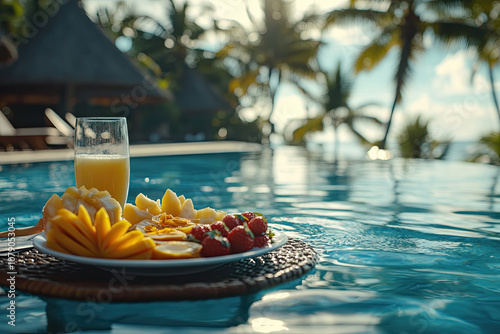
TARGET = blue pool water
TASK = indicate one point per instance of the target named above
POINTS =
(404, 246)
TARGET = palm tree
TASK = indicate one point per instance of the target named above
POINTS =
(169, 44)
(477, 25)
(336, 109)
(415, 141)
(272, 52)
(116, 21)
(401, 25)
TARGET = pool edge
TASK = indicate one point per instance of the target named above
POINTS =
(137, 150)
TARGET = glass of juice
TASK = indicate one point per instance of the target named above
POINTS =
(102, 155)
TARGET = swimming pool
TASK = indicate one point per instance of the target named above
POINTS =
(405, 246)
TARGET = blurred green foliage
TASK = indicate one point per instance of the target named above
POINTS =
(489, 149)
(414, 141)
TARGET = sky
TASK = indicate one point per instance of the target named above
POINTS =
(440, 88)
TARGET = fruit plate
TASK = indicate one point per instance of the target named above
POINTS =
(161, 267)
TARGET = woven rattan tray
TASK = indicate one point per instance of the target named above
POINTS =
(42, 274)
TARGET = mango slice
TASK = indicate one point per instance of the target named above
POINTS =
(75, 234)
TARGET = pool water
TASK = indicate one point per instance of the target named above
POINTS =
(404, 246)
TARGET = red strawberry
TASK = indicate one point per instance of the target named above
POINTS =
(215, 245)
(231, 221)
(241, 239)
(261, 241)
(248, 215)
(199, 232)
(258, 225)
(221, 227)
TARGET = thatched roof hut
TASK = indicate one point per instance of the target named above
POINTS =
(71, 60)
(196, 96)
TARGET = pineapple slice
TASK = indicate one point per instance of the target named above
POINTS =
(135, 215)
(146, 204)
(187, 210)
(170, 204)
(209, 215)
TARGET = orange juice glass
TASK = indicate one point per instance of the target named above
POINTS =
(102, 155)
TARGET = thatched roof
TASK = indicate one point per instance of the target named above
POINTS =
(73, 56)
(195, 95)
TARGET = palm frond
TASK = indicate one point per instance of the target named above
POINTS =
(455, 32)
(449, 8)
(354, 15)
(371, 119)
(374, 52)
(311, 125)
(298, 82)
(361, 138)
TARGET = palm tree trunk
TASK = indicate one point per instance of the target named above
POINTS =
(272, 90)
(388, 126)
(408, 32)
(336, 143)
(493, 93)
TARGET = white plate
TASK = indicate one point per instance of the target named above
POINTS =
(161, 267)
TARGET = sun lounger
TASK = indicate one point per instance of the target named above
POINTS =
(30, 138)
(71, 119)
(61, 125)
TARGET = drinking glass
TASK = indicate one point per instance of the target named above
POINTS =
(102, 158)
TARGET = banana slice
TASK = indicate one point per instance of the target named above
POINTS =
(92, 200)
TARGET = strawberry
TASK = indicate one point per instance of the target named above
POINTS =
(261, 241)
(248, 215)
(215, 245)
(241, 239)
(221, 227)
(258, 225)
(199, 232)
(231, 221)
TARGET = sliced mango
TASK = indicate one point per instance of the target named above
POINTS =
(76, 235)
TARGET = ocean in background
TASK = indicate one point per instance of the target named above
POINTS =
(458, 151)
